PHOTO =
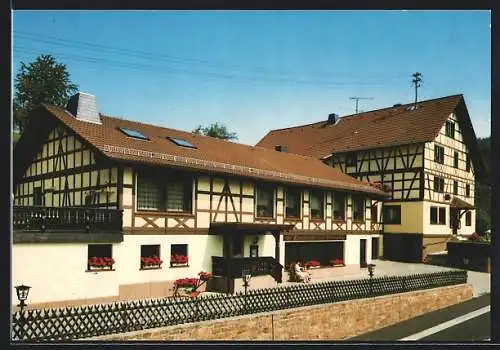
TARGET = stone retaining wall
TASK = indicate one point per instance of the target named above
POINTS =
(334, 321)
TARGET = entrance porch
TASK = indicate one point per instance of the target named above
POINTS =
(246, 253)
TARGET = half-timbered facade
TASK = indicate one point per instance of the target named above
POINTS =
(95, 196)
(425, 156)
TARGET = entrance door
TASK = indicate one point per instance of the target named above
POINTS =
(375, 248)
(454, 220)
(362, 252)
(237, 248)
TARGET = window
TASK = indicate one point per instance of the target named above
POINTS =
(392, 214)
(265, 201)
(438, 184)
(450, 129)
(351, 159)
(455, 187)
(358, 208)
(99, 256)
(467, 162)
(455, 160)
(438, 216)
(179, 255)
(292, 203)
(316, 204)
(37, 196)
(467, 190)
(133, 133)
(181, 142)
(374, 213)
(468, 218)
(339, 206)
(150, 256)
(439, 154)
(172, 194)
(179, 195)
(149, 194)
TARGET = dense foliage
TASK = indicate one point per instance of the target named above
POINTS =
(42, 81)
(217, 130)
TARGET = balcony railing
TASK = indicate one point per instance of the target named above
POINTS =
(236, 267)
(80, 219)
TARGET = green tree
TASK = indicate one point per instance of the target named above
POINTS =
(217, 130)
(41, 81)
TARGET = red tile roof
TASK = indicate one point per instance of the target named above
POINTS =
(374, 129)
(211, 154)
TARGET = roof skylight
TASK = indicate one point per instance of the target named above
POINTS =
(180, 142)
(133, 133)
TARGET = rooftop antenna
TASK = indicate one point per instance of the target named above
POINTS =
(416, 80)
(360, 98)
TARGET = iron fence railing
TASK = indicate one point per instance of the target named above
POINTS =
(95, 320)
(38, 218)
(256, 266)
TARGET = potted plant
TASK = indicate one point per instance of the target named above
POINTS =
(151, 262)
(204, 276)
(178, 260)
(100, 263)
(313, 264)
(337, 262)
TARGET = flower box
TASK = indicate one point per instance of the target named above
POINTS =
(151, 262)
(186, 283)
(337, 262)
(178, 260)
(100, 263)
(313, 264)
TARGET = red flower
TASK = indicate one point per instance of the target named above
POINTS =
(205, 276)
(312, 263)
(154, 260)
(178, 259)
(186, 282)
(337, 261)
(101, 261)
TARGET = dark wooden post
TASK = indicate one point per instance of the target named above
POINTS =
(276, 235)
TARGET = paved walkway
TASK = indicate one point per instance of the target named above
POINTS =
(479, 280)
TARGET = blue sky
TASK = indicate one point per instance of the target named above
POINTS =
(260, 70)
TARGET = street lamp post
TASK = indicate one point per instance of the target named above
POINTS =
(371, 270)
(246, 283)
(22, 292)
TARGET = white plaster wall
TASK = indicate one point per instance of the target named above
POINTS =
(58, 272)
(351, 249)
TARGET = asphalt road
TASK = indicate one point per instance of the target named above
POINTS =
(439, 325)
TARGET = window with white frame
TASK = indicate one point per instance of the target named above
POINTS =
(265, 200)
(316, 204)
(358, 208)
(438, 215)
(170, 193)
(339, 200)
(292, 202)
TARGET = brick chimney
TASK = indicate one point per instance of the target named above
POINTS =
(83, 106)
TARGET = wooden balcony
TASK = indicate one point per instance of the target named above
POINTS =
(66, 224)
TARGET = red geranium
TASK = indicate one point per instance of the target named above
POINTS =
(312, 263)
(337, 261)
(205, 276)
(151, 261)
(178, 259)
(186, 282)
(100, 261)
